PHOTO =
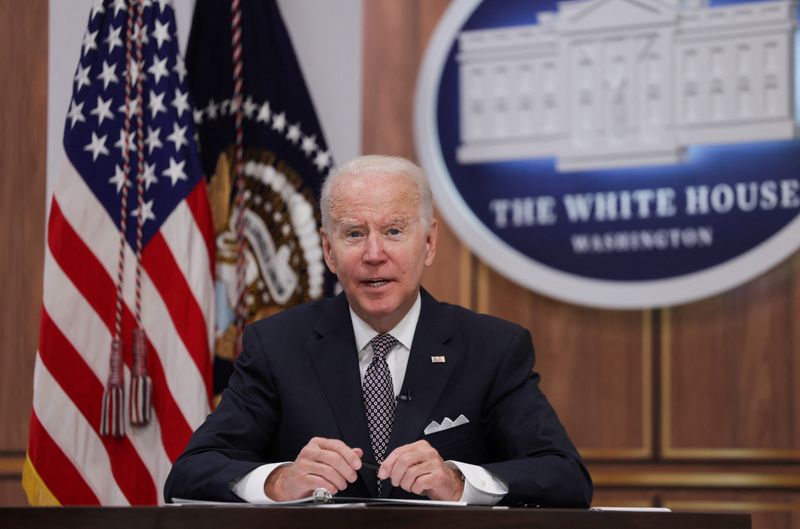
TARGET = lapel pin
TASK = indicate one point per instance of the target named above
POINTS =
(437, 359)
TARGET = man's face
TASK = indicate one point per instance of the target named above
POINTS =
(378, 247)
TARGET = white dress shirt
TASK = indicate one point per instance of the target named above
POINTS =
(481, 487)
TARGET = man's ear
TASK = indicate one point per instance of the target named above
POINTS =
(326, 251)
(430, 243)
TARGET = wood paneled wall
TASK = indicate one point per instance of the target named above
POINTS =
(23, 140)
(693, 407)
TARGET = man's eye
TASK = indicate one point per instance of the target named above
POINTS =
(394, 231)
(353, 234)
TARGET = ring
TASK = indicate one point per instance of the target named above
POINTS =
(322, 495)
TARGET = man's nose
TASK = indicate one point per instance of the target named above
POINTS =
(374, 250)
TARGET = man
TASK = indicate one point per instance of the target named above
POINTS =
(382, 391)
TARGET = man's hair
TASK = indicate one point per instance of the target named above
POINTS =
(374, 164)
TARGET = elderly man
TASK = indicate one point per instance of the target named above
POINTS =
(382, 391)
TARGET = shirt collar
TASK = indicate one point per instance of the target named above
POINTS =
(403, 331)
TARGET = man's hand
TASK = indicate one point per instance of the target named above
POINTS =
(418, 468)
(327, 463)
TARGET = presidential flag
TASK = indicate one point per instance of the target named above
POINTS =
(123, 370)
(263, 147)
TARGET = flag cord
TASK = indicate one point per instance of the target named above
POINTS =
(236, 56)
(112, 418)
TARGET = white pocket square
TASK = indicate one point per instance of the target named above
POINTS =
(446, 424)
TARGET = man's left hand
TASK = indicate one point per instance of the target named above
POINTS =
(418, 468)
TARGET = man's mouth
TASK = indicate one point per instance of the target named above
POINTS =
(376, 283)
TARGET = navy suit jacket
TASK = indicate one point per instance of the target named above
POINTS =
(298, 377)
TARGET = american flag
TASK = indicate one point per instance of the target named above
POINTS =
(69, 461)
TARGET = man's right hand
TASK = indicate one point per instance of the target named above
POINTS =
(327, 463)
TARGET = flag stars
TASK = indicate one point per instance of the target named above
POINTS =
(149, 177)
(121, 142)
(130, 109)
(322, 160)
(75, 113)
(211, 109)
(156, 103)
(97, 146)
(109, 75)
(82, 77)
(136, 30)
(113, 39)
(264, 113)
(89, 41)
(181, 102)
(119, 5)
(175, 171)
(102, 110)
(249, 107)
(97, 7)
(119, 179)
(294, 133)
(159, 68)
(146, 211)
(279, 122)
(153, 140)
(309, 144)
(161, 33)
(178, 136)
(197, 115)
(180, 69)
(135, 69)
(162, 4)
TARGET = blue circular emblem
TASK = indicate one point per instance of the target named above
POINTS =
(616, 153)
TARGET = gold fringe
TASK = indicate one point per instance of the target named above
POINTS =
(38, 493)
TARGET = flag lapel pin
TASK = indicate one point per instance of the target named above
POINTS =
(438, 359)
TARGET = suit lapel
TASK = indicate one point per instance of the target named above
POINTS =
(424, 380)
(334, 358)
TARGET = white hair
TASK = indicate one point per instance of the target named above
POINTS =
(388, 166)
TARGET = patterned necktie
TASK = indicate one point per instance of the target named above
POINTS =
(378, 394)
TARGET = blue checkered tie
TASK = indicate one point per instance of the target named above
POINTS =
(378, 394)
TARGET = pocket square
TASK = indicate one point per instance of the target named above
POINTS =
(446, 424)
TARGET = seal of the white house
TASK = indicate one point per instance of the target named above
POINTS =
(616, 153)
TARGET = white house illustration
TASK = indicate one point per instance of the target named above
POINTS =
(616, 83)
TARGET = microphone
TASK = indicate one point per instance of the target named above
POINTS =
(404, 398)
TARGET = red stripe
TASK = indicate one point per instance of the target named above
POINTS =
(197, 201)
(90, 278)
(68, 367)
(55, 469)
(186, 315)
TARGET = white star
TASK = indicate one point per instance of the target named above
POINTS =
(113, 39)
(156, 103)
(181, 101)
(197, 114)
(136, 30)
(102, 110)
(97, 146)
(294, 133)
(162, 4)
(119, 179)
(153, 141)
(131, 109)
(147, 211)
(119, 5)
(159, 68)
(135, 71)
(149, 176)
(322, 160)
(89, 42)
(180, 69)
(123, 140)
(249, 107)
(97, 8)
(223, 107)
(178, 136)
(211, 111)
(175, 171)
(82, 77)
(75, 113)
(109, 75)
(161, 33)
(279, 122)
(264, 113)
(309, 144)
